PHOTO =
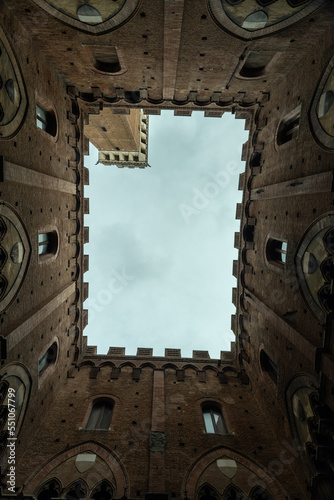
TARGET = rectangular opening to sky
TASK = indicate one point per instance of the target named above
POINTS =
(162, 239)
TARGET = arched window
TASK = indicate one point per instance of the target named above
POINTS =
(103, 492)
(207, 493)
(256, 64)
(233, 493)
(50, 490)
(77, 490)
(268, 366)
(48, 358)
(213, 419)
(106, 60)
(46, 120)
(276, 251)
(100, 415)
(289, 127)
(47, 243)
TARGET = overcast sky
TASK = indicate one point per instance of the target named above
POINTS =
(162, 239)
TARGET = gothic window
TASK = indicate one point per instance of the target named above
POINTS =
(100, 415)
(213, 419)
(50, 490)
(76, 491)
(249, 19)
(315, 267)
(103, 492)
(233, 493)
(48, 358)
(289, 127)
(276, 251)
(268, 366)
(47, 243)
(46, 120)
(207, 493)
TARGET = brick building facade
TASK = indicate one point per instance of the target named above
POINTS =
(256, 423)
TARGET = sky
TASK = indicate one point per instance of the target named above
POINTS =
(161, 239)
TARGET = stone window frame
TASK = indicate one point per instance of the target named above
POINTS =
(223, 21)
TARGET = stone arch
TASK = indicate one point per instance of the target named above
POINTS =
(210, 368)
(191, 367)
(321, 111)
(314, 260)
(15, 102)
(109, 457)
(170, 366)
(200, 464)
(50, 488)
(238, 21)
(77, 489)
(18, 371)
(123, 12)
(148, 365)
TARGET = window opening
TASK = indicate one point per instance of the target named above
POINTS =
(213, 420)
(268, 366)
(106, 60)
(255, 64)
(276, 252)
(289, 127)
(100, 415)
(48, 358)
(47, 243)
(46, 120)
